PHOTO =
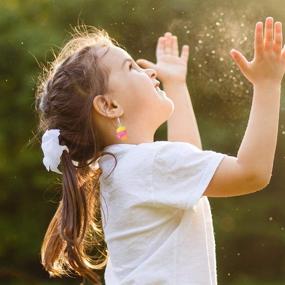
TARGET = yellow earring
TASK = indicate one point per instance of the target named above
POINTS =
(121, 131)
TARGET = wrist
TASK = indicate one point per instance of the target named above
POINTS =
(267, 84)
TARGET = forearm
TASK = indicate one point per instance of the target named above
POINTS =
(182, 125)
(258, 146)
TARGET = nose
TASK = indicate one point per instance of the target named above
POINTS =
(151, 72)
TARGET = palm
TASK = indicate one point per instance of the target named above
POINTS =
(269, 57)
(170, 66)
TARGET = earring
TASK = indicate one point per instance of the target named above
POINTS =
(121, 131)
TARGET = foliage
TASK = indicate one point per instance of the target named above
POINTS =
(250, 233)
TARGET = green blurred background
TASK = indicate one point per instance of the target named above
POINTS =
(249, 230)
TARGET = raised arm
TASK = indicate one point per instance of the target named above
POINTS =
(171, 70)
(257, 150)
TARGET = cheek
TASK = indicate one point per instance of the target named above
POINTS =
(140, 94)
(146, 88)
(146, 94)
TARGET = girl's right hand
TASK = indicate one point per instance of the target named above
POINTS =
(268, 64)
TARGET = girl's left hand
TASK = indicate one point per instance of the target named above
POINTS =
(170, 67)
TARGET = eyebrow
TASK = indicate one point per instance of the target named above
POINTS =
(126, 60)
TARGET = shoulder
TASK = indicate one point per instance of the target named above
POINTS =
(171, 149)
(183, 155)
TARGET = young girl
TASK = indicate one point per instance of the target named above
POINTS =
(99, 111)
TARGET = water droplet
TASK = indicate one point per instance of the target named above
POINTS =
(187, 32)
(229, 273)
(283, 132)
(270, 219)
(200, 41)
(185, 27)
(232, 40)
(133, 9)
(218, 24)
(238, 253)
(241, 83)
(220, 79)
(221, 59)
(211, 80)
(246, 91)
(242, 24)
(200, 65)
(207, 35)
(22, 43)
(213, 52)
(222, 14)
(282, 228)
(152, 8)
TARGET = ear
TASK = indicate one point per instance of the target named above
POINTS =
(107, 107)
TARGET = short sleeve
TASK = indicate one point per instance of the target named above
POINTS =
(181, 173)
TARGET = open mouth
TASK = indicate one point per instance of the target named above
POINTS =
(159, 91)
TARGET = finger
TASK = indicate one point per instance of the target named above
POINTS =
(175, 46)
(258, 39)
(185, 53)
(160, 47)
(278, 37)
(240, 60)
(268, 33)
(145, 63)
(283, 53)
(168, 44)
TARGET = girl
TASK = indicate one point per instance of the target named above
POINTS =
(152, 196)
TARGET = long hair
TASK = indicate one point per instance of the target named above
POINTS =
(64, 99)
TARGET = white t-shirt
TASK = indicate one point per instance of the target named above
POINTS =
(157, 225)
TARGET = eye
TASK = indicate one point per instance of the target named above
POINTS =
(131, 66)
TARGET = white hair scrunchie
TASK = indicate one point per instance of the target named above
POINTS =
(52, 150)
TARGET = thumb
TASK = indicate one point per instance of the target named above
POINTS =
(145, 63)
(239, 59)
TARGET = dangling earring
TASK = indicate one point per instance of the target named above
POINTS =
(121, 131)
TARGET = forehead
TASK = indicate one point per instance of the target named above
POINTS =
(112, 56)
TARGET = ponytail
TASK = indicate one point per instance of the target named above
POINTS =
(71, 231)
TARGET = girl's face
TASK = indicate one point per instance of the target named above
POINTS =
(132, 96)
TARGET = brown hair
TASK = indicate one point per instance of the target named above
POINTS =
(64, 96)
